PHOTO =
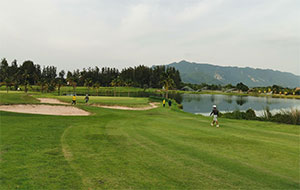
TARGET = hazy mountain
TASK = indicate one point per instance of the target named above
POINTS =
(212, 74)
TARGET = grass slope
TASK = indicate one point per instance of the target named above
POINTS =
(16, 98)
(156, 149)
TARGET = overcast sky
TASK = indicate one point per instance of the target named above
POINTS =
(73, 34)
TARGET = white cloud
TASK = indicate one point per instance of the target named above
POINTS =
(202, 8)
(81, 33)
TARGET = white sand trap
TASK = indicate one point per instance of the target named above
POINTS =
(152, 106)
(50, 101)
(44, 109)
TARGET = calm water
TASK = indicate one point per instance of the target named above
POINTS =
(202, 103)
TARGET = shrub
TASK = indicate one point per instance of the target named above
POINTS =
(288, 117)
(250, 114)
(180, 106)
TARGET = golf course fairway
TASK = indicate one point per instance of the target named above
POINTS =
(161, 148)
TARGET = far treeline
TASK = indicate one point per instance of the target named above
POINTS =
(27, 74)
(240, 87)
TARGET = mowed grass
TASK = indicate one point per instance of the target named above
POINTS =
(16, 98)
(111, 101)
(156, 149)
(101, 100)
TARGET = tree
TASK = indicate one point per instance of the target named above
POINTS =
(5, 78)
(25, 80)
(116, 82)
(97, 86)
(60, 81)
(240, 86)
(88, 83)
(167, 84)
(3, 70)
(72, 80)
(8, 81)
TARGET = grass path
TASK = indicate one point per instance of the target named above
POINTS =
(155, 149)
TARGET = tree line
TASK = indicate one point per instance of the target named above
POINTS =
(48, 78)
(274, 89)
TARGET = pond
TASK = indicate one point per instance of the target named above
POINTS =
(202, 103)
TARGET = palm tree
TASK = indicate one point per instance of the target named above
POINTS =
(167, 84)
(97, 86)
(88, 83)
(116, 82)
(59, 84)
(72, 81)
(8, 82)
(25, 77)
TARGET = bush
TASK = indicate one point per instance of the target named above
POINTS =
(288, 117)
(180, 106)
(250, 114)
(235, 115)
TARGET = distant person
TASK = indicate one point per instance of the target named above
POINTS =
(74, 100)
(170, 103)
(215, 113)
(86, 98)
(164, 103)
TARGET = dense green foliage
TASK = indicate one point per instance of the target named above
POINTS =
(46, 78)
(156, 149)
(240, 86)
(288, 117)
(212, 74)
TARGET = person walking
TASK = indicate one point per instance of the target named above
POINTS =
(86, 98)
(170, 103)
(74, 100)
(164, 102)
(215, 113)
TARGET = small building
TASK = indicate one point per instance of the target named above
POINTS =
(231, 90)
(297, 91)
(187, 88)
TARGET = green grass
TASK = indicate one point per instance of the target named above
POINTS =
(16, 98)
(156, 149)
(102, 100)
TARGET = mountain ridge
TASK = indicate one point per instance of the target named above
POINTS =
(192, 72)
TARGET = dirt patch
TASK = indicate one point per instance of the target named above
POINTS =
(44, 109)
(50, 101)
(151, 106)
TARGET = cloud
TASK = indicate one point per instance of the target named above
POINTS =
(202, 8)
(81, 33)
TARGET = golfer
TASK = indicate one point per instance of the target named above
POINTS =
(170, 103)
(74, 99)
(86, 98)
(215, 112)
(164, 103)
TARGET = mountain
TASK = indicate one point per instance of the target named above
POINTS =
(212, 74)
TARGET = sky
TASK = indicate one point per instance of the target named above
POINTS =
(76, 34)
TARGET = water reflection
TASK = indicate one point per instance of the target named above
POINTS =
(241, 100)
(212, 98)
(228, 99)
(202, 103)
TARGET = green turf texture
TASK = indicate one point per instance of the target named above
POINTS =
(156, 149)
(16, 98)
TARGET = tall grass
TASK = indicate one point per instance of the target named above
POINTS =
(284, 116)
(290, 117)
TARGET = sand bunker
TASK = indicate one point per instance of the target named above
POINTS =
(152, 105)
(50, 101)
(44, 109)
